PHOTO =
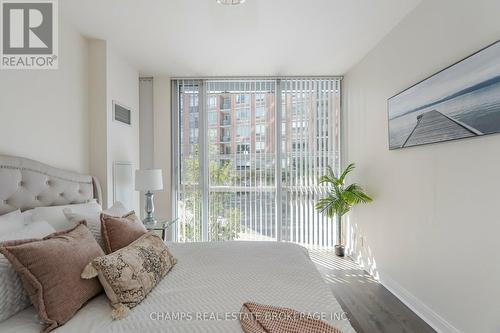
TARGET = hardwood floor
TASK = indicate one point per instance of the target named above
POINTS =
(371, 308)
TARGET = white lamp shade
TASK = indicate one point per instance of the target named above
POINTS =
(148, 180)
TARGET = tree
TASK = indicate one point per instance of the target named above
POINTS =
(224, 220)
(189, 228)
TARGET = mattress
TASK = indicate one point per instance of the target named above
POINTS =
(206, 289)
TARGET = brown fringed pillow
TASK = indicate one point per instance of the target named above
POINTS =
(129, 274)
(50, 270)
(118, 232)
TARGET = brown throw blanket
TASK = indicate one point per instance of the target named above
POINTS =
(258, 318)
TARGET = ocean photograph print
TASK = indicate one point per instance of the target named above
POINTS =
(461, 101)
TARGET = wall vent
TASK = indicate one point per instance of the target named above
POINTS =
(122, 113)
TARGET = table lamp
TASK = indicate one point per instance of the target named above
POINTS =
(149, 181)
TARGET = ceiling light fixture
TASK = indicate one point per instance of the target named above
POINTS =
(230, 2)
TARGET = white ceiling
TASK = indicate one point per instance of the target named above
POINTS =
(259, 37)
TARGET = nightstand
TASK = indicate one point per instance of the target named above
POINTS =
(163, 226)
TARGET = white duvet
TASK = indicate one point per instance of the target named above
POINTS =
(206, 289)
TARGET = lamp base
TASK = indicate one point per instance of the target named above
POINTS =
(150, 208)
(149, 221)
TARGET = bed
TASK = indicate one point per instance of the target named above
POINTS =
(205, 290)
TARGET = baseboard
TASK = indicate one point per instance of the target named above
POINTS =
(434, 320)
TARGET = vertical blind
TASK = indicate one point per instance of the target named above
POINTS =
(310, 142)
(249, 155)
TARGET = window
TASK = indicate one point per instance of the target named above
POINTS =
(225, 103)
(298, 127)
(260, 98)
(225, 149)
(243, 131)
(297, 107)
(212, 118)
(193, 135)
(193, 121)
(260, 147)
(189, 185)
(260, 112)
(260, 131)
(298, 146)
(225, 135)
(212, 102)
(254, 176)
(193, 100)
(226, 120)
(243, 114)
(242, 99)
(243, 149)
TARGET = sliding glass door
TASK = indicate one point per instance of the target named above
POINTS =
(249, 156)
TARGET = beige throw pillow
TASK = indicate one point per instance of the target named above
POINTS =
(118, 232)
(50, 270)
(129, 274)
(94, 219)
(12, 294)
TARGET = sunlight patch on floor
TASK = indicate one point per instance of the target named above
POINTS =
(338, 270)
(328, 259)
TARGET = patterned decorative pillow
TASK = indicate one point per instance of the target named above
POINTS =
(118, 232)
(50, 270)
(129, 274)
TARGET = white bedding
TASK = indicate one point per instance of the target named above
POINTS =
(210, 280)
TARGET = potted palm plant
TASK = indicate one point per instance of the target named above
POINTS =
(339, 200)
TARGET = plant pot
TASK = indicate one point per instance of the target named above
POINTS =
(340, 250)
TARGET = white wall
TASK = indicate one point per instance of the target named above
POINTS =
(123, 140)
(156, 143)
(43, 113)
(432, 231)
(163, 143)
(97, 113)
(64, 117)
(146, 116)
(112, 79)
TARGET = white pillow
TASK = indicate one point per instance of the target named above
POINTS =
(14, 298)
(28, 216)
(55, 215)
(94, 219)
(118, 209)
(93, 223)
(11, 222)
(37, 229)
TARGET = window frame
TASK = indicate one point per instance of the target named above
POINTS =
(280, 144)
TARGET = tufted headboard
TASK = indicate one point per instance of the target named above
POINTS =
(27, 184)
